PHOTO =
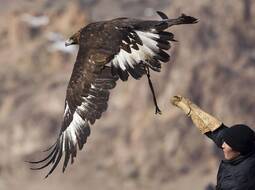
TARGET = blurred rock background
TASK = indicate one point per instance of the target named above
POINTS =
(129, 148)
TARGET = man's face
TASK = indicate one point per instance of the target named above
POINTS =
(229, 153)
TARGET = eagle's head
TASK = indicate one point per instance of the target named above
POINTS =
(74, 39)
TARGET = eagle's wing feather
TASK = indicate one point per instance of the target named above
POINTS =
(140, 48)
(86, 100)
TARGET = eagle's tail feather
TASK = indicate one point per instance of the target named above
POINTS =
(162, 15)
(183, 19)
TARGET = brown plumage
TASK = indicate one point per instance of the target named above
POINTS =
(108, 50)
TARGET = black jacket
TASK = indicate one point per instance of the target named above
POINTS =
(236, 174)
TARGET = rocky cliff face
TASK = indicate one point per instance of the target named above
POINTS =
(130, 148)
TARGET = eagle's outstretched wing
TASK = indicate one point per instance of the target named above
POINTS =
(140, 48)
(144, 44)
(86, 100)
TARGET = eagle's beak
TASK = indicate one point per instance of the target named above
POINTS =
(69, 42)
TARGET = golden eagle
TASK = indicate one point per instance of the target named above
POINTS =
(108, 50)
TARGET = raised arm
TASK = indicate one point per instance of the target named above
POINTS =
(217, 135)
(206, 123)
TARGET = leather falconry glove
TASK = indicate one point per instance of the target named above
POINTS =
(202, 120)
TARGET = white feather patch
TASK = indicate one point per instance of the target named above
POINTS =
(124, 42)
(76, 122)
(83, 106)
(92, 86)
(121, 63)
(66, 109)
(124, 57)
(64, 139)
(146, 51)
(147, 39)
(148, 34)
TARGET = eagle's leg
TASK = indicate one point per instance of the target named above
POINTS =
(157, 110)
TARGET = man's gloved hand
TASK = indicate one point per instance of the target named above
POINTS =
(202, 120)
(182, 103)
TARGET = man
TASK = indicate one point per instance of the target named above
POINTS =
(237, 170)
